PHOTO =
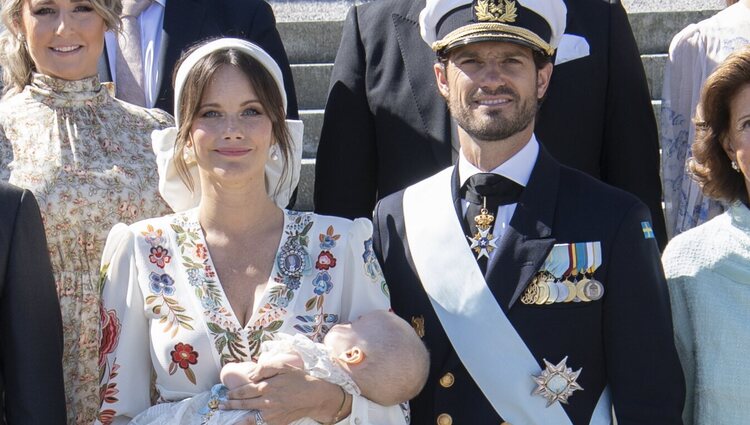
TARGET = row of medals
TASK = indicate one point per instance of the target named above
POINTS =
(546, 289)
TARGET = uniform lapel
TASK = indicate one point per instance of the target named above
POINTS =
(418, 60)
(527, 241)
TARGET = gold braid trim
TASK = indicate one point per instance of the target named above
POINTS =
(500, 30)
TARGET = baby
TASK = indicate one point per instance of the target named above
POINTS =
(378, 356)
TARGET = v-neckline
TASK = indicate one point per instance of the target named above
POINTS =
(259, 302)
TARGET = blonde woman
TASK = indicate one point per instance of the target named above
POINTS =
(86, 157)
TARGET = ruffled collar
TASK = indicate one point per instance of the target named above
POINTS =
(58, 92)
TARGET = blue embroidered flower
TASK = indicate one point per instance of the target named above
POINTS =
(208, 303)
(161, 283)
(322, 283)
(369, 254)
(291, 282)
(194, 277)
(372, 267)
(282, 302)
(327, 242)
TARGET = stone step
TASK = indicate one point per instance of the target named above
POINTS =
(317, 41)
(313, 119)
(653, 65)
(312, 80)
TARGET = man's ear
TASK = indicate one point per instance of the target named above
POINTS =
(544, 74)
(441, 77)
(352, 356)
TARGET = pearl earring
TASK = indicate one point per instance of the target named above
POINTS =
(735, 167)
(275, 152)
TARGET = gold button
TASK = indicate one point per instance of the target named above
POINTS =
(444, 419)
(447, 380)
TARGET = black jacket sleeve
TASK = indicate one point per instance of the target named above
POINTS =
(30, 321)
(346, 164)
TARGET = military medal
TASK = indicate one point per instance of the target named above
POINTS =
(557, 382)
(562, 292)
(531, 292)
(483, 242)
(567, 276)
(594, 289)
(543, 293)
(553, 294)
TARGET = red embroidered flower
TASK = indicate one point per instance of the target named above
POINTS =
(183, 355)
(159, 256)
(326, 260)
(201, 251)
(209, 271)
(110, 333)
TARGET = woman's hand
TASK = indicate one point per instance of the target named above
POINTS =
(284, 393)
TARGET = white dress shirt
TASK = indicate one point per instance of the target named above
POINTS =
(517, 168)
(152, 24)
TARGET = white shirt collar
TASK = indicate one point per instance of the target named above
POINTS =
(517, 168)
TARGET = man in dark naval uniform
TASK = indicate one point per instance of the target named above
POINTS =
(386, 128)
(538, 289)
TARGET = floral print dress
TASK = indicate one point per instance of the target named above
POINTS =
(165, 309)
(88, 160)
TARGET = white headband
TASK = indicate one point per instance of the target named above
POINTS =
(172, 188)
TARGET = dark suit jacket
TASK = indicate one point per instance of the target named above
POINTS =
(189, 21)
(623, 340)
(31, 379)
(386, 127)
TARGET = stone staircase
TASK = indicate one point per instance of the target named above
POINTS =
(312, 45)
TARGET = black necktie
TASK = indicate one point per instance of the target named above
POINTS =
(487, 190)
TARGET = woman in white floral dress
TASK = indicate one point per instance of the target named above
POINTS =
(85, 155)
(187, 293)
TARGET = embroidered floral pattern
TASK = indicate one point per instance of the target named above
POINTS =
(88, 160)
(110, 334)
(325, 261)
(111, 328)
(159, 256)
(227, 334)
(161, 284)
(317, 325)
(328, 239)
(372, 267)
(162, 287)
(322, 285)
(183, 356)
(187, 289)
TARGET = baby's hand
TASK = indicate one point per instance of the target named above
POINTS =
(235, 375)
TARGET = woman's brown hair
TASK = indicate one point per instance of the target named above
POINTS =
(710, 165)
(198, 79)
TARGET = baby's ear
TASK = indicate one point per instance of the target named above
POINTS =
(352, 356)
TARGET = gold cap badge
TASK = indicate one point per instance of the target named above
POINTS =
(496, 10)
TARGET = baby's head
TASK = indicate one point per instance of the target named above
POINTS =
(383, 355)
